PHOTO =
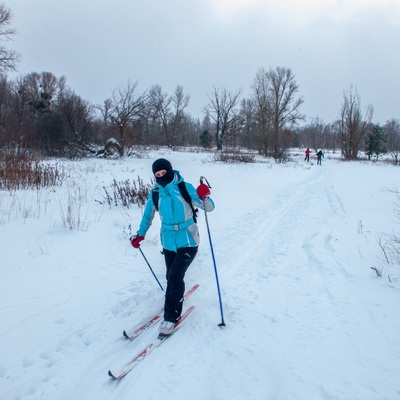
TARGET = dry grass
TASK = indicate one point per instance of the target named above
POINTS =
(126, 193)
(23, 171)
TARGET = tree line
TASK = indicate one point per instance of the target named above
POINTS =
(39, 112)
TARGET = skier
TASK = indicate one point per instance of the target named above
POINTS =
(307, 157)
(179, 232)
(320, 154)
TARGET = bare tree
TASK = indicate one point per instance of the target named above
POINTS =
(102, 125)
(5, 105)
(179, 102)
(222, 110)
(392, 131)
(127, 105)
(261, 88)
(31, 99)
(8, 58)
(316, 130)
(49, 117)
(160, 105)
(40, 89)
(284, 105)
(76, 116)
(353, 125)
(247, 114)
(277, 108)
(168, 113)
(317, 135)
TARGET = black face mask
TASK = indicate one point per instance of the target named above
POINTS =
(159, 165)
(167, 178)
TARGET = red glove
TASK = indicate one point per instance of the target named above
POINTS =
(203, 191)
(135, 241)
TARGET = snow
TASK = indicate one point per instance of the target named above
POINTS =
(306, 317)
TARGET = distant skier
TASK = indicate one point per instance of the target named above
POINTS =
(320, 154)
(176, 203)
(307, 157)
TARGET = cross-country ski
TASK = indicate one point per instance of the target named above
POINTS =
(148, 349)
(140, 328)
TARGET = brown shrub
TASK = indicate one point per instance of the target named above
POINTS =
(24, 171)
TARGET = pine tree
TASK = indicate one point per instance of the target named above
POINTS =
(205, 139)
(375, 142)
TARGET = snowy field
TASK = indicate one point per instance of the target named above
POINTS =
(306, 316)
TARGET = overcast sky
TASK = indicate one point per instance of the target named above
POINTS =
(329, 45)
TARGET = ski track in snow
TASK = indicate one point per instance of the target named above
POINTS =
(295, 311)
(279, 281)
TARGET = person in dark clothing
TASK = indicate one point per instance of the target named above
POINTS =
(307, 157)
(179, 232)
(320, 154)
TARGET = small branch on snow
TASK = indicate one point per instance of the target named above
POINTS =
(378, 273)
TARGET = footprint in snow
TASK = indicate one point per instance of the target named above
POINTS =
(28, 362)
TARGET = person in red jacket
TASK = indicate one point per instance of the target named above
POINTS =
(307, 158)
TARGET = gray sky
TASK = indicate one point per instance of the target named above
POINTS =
(329, 45)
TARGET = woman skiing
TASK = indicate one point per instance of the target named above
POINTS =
(179, 234)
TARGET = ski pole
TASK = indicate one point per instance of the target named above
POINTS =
(159, 284)
(213, 256)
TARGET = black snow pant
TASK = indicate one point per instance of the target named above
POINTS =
(177, 264)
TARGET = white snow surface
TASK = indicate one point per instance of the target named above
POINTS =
(306, 316)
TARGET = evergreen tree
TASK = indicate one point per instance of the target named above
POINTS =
(205, 139)
(375, 142)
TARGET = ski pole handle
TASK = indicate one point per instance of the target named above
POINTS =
(202, 178)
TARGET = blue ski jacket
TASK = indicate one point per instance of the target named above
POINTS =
(178, 228)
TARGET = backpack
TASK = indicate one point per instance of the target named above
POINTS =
(185, 194)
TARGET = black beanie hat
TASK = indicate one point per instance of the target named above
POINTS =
(161, 164)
